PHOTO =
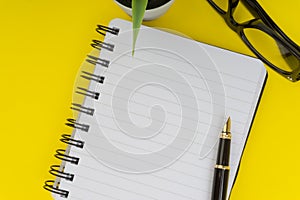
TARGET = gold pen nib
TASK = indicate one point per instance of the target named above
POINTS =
(227, 126)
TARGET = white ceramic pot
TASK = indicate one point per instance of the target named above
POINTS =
(150, 14)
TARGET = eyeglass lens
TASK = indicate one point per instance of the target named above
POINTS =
(270, 49)
(222, 4)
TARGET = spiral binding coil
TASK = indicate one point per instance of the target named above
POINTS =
(55, 170)
(66, 138)
(94, 60)
(61, 154)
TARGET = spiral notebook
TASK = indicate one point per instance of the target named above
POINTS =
(147, 125)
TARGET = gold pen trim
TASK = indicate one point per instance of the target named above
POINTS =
(222, 167)
(225, 135)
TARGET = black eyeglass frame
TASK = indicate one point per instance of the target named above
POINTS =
(263, 22)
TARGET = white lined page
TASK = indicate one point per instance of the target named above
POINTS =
(189, 176)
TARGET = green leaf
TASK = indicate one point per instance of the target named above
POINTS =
(138, 11)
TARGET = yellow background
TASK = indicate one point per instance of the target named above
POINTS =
(43, 43)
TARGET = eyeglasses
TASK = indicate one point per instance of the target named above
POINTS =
(263, 37)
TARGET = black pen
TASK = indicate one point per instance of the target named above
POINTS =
(221, 174)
